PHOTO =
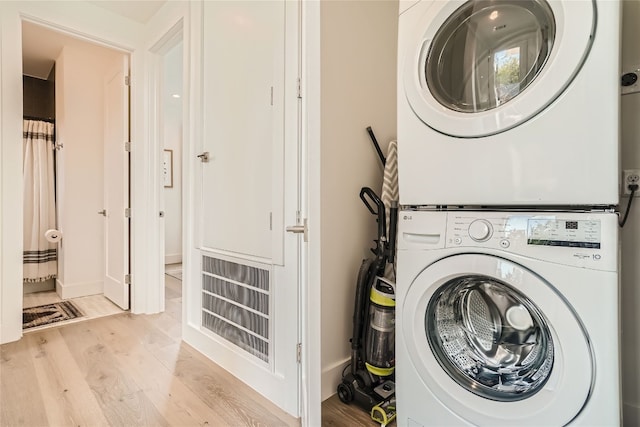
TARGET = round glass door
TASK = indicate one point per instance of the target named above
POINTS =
(490, 338)
(495, 342)
(488, 52)
(477, 68)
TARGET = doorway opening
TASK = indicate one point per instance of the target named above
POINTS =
(90, 119)
(171, 141)
(167, 100)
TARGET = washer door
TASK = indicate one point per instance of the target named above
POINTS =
(482, 67)
(495, 343)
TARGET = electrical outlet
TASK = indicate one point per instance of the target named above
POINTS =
(630, 177)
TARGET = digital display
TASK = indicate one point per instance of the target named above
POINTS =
(571, 225)
(558, 232)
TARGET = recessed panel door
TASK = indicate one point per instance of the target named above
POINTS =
(243, 127)
(250, 166)
(116, 185)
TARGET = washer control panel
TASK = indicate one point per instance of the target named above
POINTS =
(585, 240)
(562, 232)
(581, 239)
(537, 231)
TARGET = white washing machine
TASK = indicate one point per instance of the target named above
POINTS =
(507, 319)
(508, 102)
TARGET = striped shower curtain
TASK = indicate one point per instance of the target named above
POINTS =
(39, 201)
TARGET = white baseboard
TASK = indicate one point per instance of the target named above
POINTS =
(630, 415)
(76, 290)
(173, 259)
(331, 377)
(47, 285)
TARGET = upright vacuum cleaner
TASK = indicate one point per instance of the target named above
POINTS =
(369, 383)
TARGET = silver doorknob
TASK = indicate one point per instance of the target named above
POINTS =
(103, 212)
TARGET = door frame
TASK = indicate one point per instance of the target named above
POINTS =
(123, 35)
(156, 53)
(311, 271)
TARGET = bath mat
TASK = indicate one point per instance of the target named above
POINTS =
(49, 313)
(177, 274)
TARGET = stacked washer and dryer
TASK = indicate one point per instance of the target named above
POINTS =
(507, 265)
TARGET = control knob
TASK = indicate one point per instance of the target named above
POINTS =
(480, 230)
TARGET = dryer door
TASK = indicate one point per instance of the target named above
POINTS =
(481, 67)
(496, 343)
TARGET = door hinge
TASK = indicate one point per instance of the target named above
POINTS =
(127, 80)
(127, 212)
(299, 352)
(272, 96)
(299, 88)
(127, 147)
(127, 279)
(270, 221)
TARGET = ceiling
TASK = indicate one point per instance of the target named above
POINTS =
(41, 46)
(140, 11)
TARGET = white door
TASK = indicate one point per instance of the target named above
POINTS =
(116, 185)
(249, 192)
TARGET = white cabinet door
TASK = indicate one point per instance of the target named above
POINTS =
(116, 185)
(243, 125)
(250, 186)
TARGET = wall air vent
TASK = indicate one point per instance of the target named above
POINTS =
(235, 304)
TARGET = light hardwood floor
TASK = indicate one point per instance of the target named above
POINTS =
(133, 370)
(124, 370)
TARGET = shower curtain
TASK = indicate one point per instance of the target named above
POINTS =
(39, 201)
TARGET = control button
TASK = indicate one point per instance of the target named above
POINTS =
(480, 230)
(504, 243)
(457, 240)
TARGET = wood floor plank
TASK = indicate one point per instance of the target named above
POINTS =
(124, 370)
(176, 402)
(338, 414)
(168, 324)
(66, 396)
(22, 403)
(173, 288)
(122, 401)
(217, 386)
(209, 381)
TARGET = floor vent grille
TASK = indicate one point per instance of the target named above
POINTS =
(235, 304)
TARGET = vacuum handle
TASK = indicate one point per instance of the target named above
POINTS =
(379, 212)
(366, 191)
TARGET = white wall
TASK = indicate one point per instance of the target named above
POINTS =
(358, 89)
(631, 232)
(80, 170)
(172, 138)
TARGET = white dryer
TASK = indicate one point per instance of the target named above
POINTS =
(507, 319)
(508, 102)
